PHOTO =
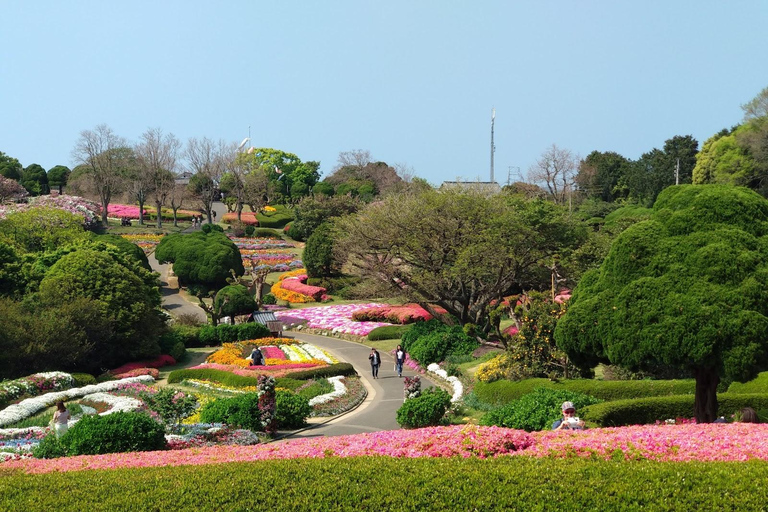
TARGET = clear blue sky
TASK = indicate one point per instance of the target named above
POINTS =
(413, 81)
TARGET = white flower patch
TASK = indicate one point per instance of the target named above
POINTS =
(30, 406)
(317, 353)
(458, 387)
(116, 403)
(339, 389)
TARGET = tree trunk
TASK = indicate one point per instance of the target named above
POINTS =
(141, 212)
(705, 406)
(104, 206)
(159, 217)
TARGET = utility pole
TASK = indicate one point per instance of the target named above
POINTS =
(493, 147)
(677, 172)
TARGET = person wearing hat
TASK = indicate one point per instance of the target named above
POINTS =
(570, 421)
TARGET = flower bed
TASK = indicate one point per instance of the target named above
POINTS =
(296, 284)
(247, 218)
(458, 387)
(278, 355)
(293, 297)
(129, 211)
(267, 253)
(406, 314)
(337, 319)
(34, 385)
(146, 241)
(159, 362)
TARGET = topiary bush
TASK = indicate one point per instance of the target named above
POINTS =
(114, 433)
(211, 375)
(83, 379)
(205, 258)
(321, 372)
(234, 300)
(426, 410)
(757, 385)
(649, 410)
(292, 410)
(536, 410)
(502, 392)
(227, 333)
(387, 332)
(241, 411)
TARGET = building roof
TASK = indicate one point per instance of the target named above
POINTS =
(263, 317)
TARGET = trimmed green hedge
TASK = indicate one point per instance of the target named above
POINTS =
(241, 381)
(377, 483)
(276, 219)
(388, 332)
(648, 410)
(502, 392)
(756, 385)
(83, 379)
(227, 333)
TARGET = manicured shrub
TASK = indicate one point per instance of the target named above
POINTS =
(277, 219)
(114, 433)
(427, 409)
(49, 448)
(502, 392)
(265, 233)
(269, 299)
(296, 286)
(172, 405)
(439, 344)
(210, 375)
(234, 300)
(387, 332)
(292, 410)
(757, 385)
(649, 410)
(227, 333)
(83, 379)
(322, 372)
(241, 411)
(405, 314)
(536, 410)
(204, 258)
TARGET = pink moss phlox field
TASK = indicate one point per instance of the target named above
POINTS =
(669, 443)
(462, 441)
(335, 318)
(271, 352)
(295, 285)
(161, 361)
(253, 371)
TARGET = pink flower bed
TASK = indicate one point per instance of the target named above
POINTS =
(253, 371)
(295, 285)
(334, 318)
(405, 314)
(124, 210)
(154, 372)
(161, 361)
(461, 441)
(270, 352)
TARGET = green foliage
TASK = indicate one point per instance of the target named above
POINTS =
(172, 405)
(502, 392)
(367, 483)
(83, 379)
(114, 433)
(241, 411)
(58, 176)
(426, 410)
(227, 333)
(204, 257)
(265, 233)
(126, 247)
(321, 372)
(10, 167)
(536, 410)
(318, 256)
(276, 219)
(686, 288)
(188, 335)
(757, 385)
(42, 229)
(649, 410)
(49, 448)
(723, 159)
(311, 213)
(210, 375)
(432, 341)
(269, 298)
(387, 332)
(35, 179)
(292, 410)
(234, 300)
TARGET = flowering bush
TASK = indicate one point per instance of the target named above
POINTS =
(34, 385)
(247, 218)
(458, 387)
(494, 369)
(411, 387)
(118, 211)
(172, 405)
(337, 319)
(153, 372)
(295, 284)
(405, 314)
(89, 210)
(159, 362)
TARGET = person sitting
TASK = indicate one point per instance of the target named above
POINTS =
(60, 419)
(570, 421)
(748, 415)
(257, 358)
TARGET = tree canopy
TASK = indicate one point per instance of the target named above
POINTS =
(203, 258)
(686, 288)
(458, 250)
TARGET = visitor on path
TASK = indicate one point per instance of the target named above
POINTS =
(214, 215)
(399, 360)
(60, 419)
(194, 221)
(257, 358)
(570, 421)
(375, 359)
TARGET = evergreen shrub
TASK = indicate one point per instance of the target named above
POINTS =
(387, 332)
(426, 410)
(536, 410)
(292, 410)
(114, 433)
(241, 411)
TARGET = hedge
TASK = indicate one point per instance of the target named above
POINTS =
(502, 392)
(277, 219)
(239, 381)
(377, 483)
(756, 385)
(388, 332)
(648, 410)
(227, 333)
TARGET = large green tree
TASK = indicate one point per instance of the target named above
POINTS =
(35, 179)
(10, 167)
(687, 288)
(58, 176)
(600, 173)
(456, 249)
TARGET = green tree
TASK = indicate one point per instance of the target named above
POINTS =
(600, 174)
(318, 256)
(656, 169)
(10, 167)
(42, 229)
(686, 288)
(202, 258)
(311, 212)
(35, 180)
(58, 176)
(456, 249)
(234, 300)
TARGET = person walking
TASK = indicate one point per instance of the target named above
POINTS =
(375, 360)
(60, 419)
(399, 360)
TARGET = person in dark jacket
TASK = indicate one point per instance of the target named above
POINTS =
(375, 360)
(257, 358)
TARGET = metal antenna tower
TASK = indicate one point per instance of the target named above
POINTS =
(493, 147)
